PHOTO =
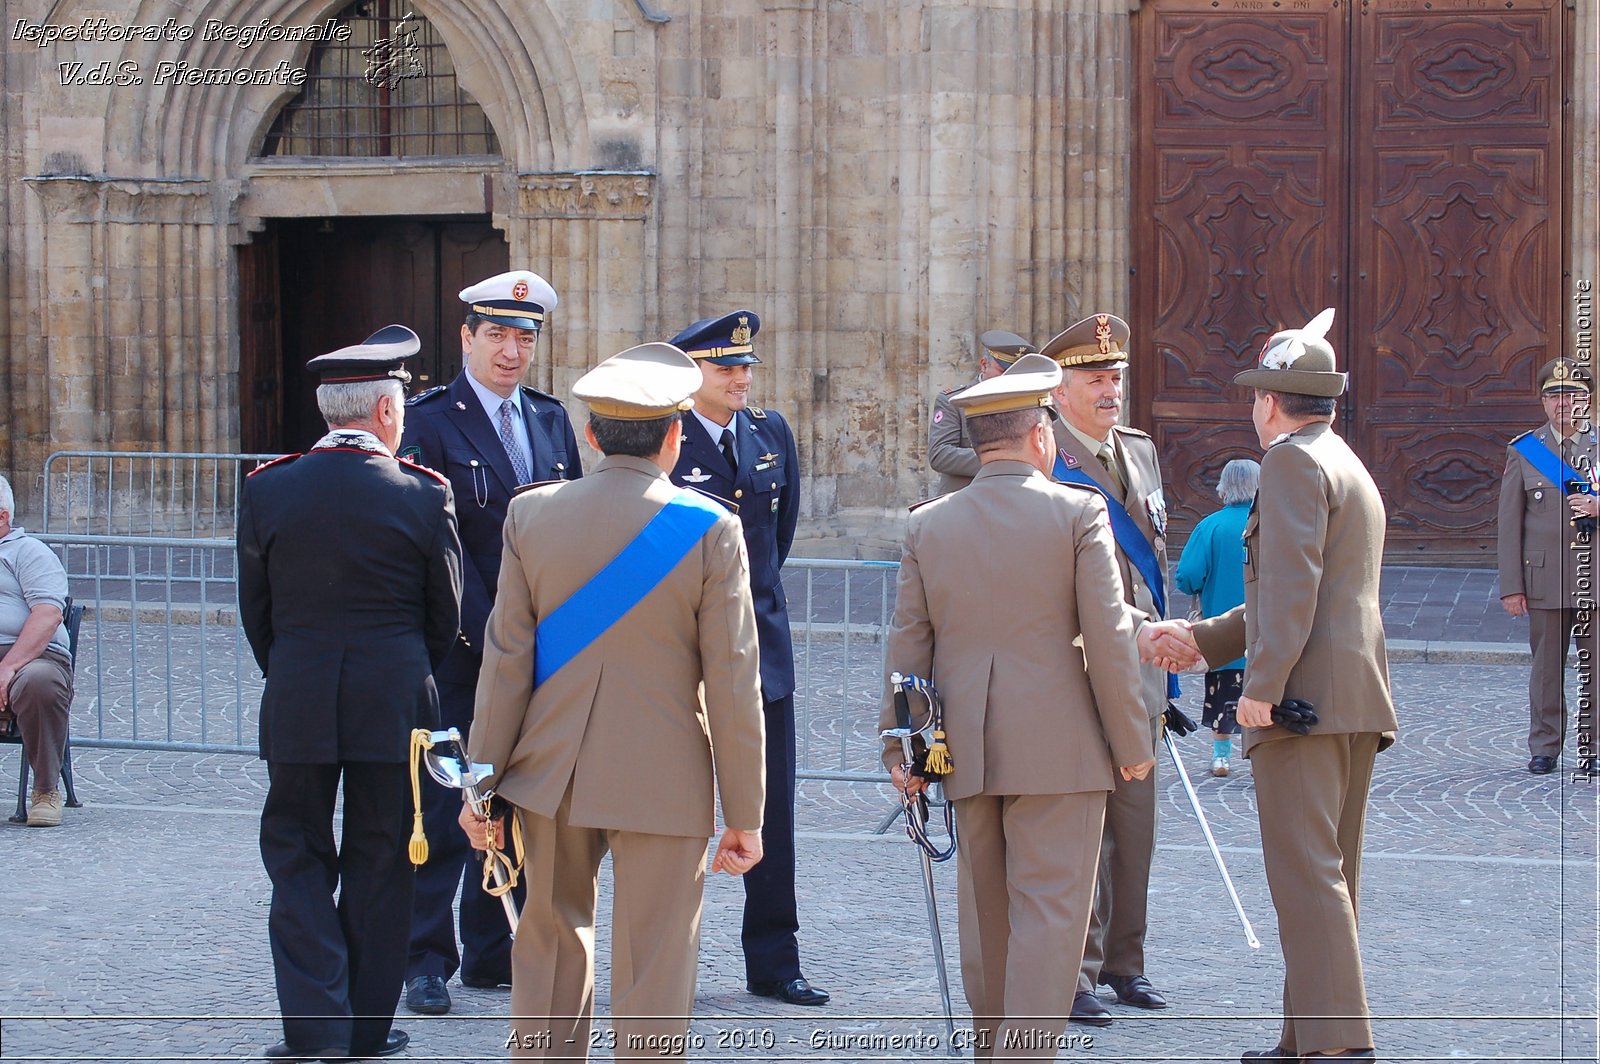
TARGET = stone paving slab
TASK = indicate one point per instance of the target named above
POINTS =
(1479, 892)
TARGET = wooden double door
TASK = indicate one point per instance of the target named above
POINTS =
(313, 285)
(1403, 161)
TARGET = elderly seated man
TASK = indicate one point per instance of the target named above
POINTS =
(35, 664)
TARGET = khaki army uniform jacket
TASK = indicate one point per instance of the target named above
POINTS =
(1031, 646)
(1535, 547)
(1146, 504)
(630, 722)
(1311, 622)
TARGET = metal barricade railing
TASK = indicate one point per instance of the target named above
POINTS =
(163, 663)
(144, 493)
(839, 614)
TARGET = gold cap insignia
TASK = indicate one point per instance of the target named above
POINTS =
(1102, 332)
(1560, 372)
(741, 332)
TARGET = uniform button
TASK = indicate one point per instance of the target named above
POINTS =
(738, 493)
(774, 485)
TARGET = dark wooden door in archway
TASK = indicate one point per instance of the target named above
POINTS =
(312, 285)
(1400, 161)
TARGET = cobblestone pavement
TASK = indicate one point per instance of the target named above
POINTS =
(137, 931)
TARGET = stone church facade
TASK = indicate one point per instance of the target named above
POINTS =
(880, 182)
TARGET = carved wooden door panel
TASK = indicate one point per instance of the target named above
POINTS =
(1457, 252)
(1400, 160)
(1240, 187)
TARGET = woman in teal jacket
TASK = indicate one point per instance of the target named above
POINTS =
(1212, 567)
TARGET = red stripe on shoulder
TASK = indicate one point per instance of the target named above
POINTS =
(424, 469)
(276, 461)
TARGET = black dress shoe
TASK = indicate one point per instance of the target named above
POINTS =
(1540, 765)
(1087, 1008)
(1134, 990)
(487, 980)
(428, 995)
(793, 992)
(1275, 1055)
(393, 1044)
(283, 1051)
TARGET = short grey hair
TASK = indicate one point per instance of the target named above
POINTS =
(1240, 480)
(8, 500)
(352, 402)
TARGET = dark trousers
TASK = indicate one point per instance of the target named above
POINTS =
(338, 965)
(452, 863)
(771, 919)
(41, 699)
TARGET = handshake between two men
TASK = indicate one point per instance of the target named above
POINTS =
(1171, 645)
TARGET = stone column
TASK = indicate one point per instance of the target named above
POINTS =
(587, 233)
(137, 289)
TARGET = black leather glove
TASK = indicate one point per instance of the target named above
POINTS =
(1178, 721)
(1296, 714)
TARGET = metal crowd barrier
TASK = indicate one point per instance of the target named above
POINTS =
(140, 493)
(164, 665)
(162, 661)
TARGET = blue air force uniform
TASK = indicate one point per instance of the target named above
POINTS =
(449, 429)
(764, 483)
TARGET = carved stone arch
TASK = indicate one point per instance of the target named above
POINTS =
(511, 58)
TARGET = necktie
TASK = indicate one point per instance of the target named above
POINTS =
(518, 465)
(727, 449)
(1108, 458)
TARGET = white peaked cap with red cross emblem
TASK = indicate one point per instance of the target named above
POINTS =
(519, 299)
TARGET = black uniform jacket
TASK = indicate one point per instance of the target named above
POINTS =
(767, 491)
(448, 431)
(349, 591)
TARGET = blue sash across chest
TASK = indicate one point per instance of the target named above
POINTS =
(1130, 540)
(1550, 465)
(623, 583)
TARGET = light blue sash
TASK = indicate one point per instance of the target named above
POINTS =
(1549, 464)
(1129, 538)
(626, 579)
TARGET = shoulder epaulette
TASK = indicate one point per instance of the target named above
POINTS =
(757, 412)
(409, 464)
(952, 391)
(1519, 436)
(914, 507)
(1078, 485)
(280, 460)
(536, 484)
(424, 396)
(1129, 430)
(732, 506)
(531, 390)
